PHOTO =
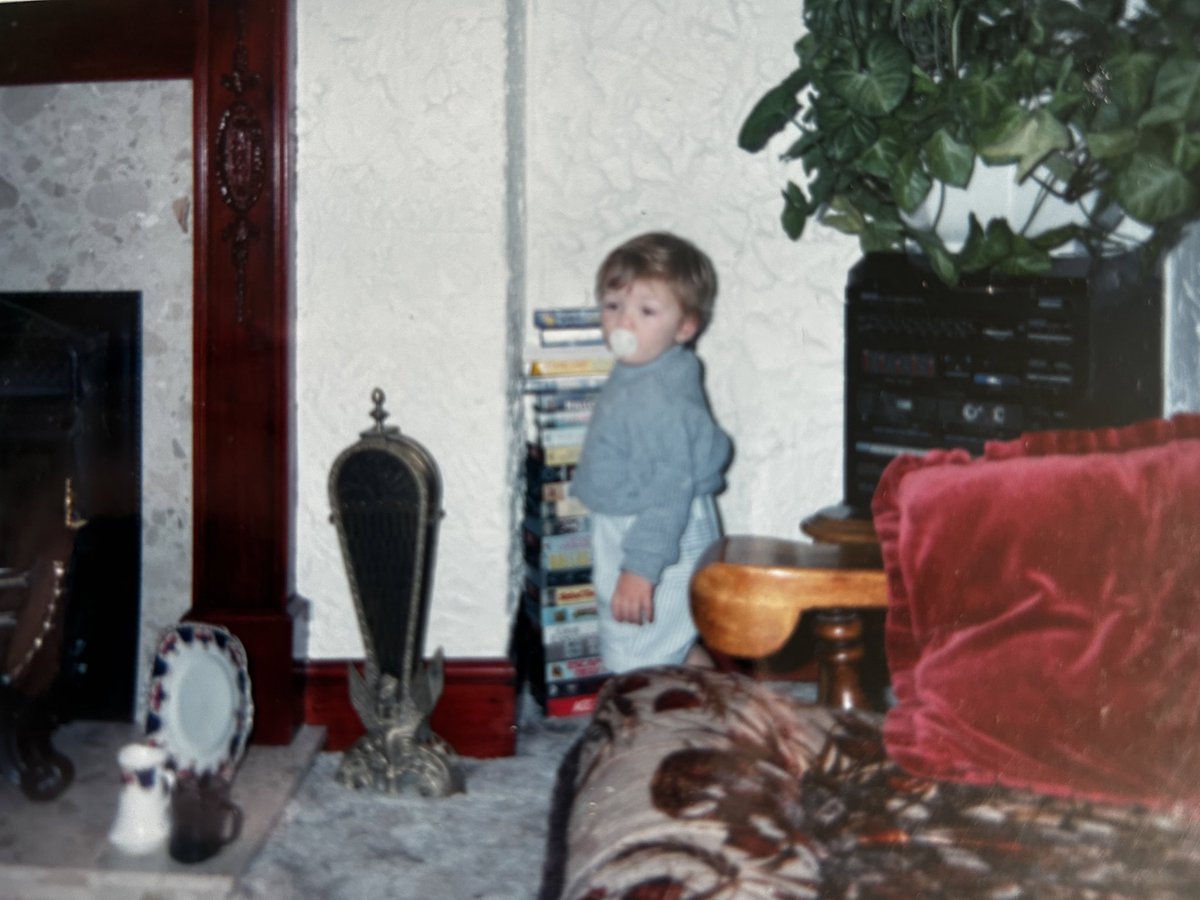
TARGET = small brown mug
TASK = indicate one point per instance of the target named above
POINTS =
(203, 818)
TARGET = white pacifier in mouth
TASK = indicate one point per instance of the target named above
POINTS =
(622, 342)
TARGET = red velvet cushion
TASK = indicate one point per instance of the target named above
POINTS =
(1044, 620)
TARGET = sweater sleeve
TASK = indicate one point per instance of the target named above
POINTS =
(652, 541)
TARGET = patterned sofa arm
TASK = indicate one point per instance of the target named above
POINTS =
(685, 777)
(691, 783)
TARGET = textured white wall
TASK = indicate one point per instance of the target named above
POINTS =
(633, 112)
(96, 194)
(627, 120)
(400, 283)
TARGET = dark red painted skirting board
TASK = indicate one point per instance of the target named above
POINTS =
(476, 715)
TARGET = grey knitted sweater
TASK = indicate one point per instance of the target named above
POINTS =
(652, 446)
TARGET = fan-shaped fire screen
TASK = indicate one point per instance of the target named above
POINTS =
(386, 493)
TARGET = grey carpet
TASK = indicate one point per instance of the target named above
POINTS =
(489, 842)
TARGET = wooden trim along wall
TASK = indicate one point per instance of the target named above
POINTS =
(97, 40)
(476, 714)
(243, 337)
(238, 55)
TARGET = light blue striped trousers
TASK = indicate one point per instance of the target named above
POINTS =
(671, 635)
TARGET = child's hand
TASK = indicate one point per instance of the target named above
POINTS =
(633, 599)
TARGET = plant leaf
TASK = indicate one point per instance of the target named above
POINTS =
(1187, 152)
(1038, 135)
(822, 187)
(1061, 168)
(1059, 16)
(772, 112)
(942, 260)
(910, 183)
(1110, 144)
(806, 48)
(879, 235)
(983, 249)
(985, 97)
(1006, 121)
(949, 160)
(1056, 237)
(878, 86)
(844, 216)
(1176, 93)
(1130, 78)
(853, 138)
(1024, 258)
(801, 145)
(881, 158)
(795, 211)
(1152, 190)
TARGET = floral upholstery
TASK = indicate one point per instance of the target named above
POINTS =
(690, 783)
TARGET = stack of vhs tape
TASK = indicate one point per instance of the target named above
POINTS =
(556, 638)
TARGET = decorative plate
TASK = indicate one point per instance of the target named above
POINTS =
(200, 708)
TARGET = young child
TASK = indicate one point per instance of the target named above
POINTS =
(653, 456)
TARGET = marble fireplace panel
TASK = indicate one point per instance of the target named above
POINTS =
(96, 193)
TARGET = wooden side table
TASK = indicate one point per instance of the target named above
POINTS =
(839, 632)
(749, 593)
(840, 525)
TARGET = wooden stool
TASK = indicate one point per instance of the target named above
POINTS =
(749, 593)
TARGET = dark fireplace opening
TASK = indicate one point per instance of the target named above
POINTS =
(70, 453)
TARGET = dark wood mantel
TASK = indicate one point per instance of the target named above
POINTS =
(238, 55)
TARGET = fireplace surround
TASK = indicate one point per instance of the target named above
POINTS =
(237, 55)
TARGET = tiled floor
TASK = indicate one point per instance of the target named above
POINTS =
(60, 849)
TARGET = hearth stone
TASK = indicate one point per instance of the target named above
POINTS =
(60, 850)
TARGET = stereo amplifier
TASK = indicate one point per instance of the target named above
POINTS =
(929, 365)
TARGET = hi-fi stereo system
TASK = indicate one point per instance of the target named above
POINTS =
(928, 365)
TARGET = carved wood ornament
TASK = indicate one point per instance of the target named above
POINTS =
(241, 161)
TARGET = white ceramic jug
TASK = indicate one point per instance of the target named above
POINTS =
(144, 809)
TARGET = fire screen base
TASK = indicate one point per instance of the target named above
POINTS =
(400, 752)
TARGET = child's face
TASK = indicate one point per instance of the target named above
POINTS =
(649, 311)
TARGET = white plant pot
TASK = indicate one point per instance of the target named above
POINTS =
(994, 192)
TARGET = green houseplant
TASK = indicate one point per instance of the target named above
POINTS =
(893, 104)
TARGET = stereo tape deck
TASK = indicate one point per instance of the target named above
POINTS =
(928, 365)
